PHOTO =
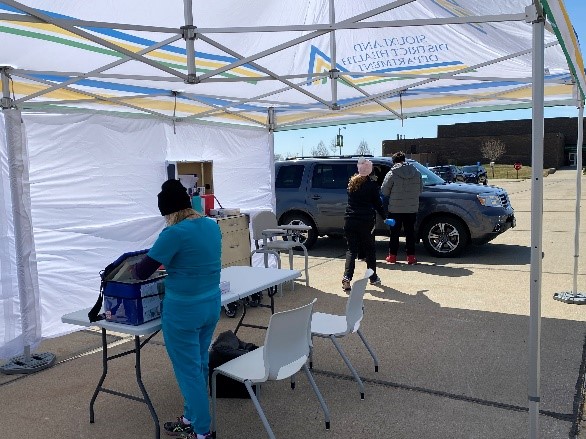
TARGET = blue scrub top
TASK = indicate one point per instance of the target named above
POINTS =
(191, 252)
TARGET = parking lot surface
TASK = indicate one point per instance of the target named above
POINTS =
(450, 334)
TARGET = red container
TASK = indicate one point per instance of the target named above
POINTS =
(209, 202)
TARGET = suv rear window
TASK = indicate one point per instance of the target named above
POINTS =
(332, 176)
(289, 177)
(472, 168)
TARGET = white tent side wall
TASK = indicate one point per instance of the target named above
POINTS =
(242, 161)
(243, 164)
(94, 181)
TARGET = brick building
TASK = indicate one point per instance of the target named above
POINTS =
(459, 144)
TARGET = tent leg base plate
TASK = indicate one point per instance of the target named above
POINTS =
(574, 298)
(18, 365)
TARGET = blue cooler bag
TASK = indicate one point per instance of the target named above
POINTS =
(129, 300)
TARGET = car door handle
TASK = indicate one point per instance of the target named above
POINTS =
(315, 197)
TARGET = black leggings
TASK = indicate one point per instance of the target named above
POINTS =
(407, 221)
(358, 237)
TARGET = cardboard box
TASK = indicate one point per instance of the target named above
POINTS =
(204, 171)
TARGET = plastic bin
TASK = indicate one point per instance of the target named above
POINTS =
(208, 202)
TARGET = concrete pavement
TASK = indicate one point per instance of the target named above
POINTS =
(451, 336)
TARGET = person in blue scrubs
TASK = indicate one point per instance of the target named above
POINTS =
(190, 249)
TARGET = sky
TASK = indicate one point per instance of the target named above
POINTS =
(294, 142)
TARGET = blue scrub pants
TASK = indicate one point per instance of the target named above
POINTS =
(188, 326)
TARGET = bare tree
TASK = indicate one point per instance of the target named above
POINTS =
(333, 146)
(492, 149)
(363, 148)
(320, 150)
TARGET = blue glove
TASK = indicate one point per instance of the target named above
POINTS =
(390, 222)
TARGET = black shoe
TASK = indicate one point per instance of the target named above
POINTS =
(376, 280)
(346, 284)
(178, 428)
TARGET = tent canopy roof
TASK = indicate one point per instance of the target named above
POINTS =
(315, 62)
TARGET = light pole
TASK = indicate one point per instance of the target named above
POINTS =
(340, 139)
(302, 145)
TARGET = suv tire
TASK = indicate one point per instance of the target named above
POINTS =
(444, 236)
(307, 239)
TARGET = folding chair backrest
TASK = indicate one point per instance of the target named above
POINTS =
(261, 221)
(287, 341)
(354, 305)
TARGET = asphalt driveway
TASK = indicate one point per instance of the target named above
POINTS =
(451, 337)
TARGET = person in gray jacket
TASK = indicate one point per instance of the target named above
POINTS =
(402, 184)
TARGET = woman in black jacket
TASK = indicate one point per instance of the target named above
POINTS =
(359, 220)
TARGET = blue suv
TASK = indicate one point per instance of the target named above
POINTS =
(475, 174)
(312, 191)
(450, 173)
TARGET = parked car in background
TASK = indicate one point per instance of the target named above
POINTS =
(450, 173)
(312, 191)
(475, 174)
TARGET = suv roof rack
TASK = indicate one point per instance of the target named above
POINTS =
(330, 156)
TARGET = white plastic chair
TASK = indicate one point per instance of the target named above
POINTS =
(285, 352)
(266, 233)
(336, 326)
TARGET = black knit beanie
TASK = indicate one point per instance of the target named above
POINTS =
(173, 197)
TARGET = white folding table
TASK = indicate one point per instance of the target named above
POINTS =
(244, 282)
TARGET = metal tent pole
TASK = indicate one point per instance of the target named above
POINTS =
(334, 72)
(578, 193)
(536, 18)
(574, 296)
(272, 126)
(189, 36)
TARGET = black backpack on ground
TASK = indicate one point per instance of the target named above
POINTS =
(227, 347)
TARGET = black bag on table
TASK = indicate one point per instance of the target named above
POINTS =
(227, 347)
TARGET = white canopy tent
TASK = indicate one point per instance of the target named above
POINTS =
(109, 90)
(315, 62)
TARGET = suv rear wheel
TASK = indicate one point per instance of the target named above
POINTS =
(306, 238)
(444, 236)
